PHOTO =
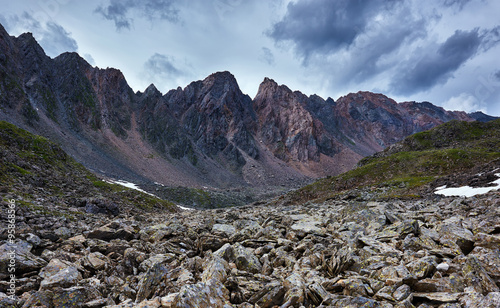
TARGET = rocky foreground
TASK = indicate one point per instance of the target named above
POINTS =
(431, 253)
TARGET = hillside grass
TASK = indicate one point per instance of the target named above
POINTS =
(31, 165)
(401, 170)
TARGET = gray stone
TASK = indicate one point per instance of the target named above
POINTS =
(454, 235)
(25, 261)
(59, 273)
(245, 260)
(272, 294)
(76, 296)
(441, 297)
(202, 294)
(227, 230)
(153, 277)
(33, 240)
(226, 252)
(477, 277)
(443, 267)
(402, 293)
(63, 233)
(110, 232)
(217, 268)
(156, 259)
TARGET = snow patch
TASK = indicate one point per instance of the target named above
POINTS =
(130, 185)
(185, 208)
(135, 187)
(467, 191)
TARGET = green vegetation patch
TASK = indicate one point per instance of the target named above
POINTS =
(199, 198)
(418, 160)
(31, 165)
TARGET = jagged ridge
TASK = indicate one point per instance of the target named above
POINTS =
(207, 134)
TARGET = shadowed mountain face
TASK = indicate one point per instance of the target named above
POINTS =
(207, 134)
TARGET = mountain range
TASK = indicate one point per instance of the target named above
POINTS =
(208, 134)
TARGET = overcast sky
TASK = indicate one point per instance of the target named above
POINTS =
(443, 51)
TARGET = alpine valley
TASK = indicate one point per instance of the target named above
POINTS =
(381, 223)
(208, 134)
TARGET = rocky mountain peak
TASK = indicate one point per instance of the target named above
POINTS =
(214, 132)
(365, 97)
(33, 55)
(268, 82)
(270, 88)
(71, 56)
(152, 91)
(71, 63)
(221, 81)
(27, 42)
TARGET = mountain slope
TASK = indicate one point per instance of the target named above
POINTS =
(456, 153)
(208, 134)
(34, 170)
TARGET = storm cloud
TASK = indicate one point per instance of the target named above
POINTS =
(357, 39)
(54, 38)
(165, 69)
(122, 12)
(325, 25)
(57, 40)
(159, 64)
(457, 3)
(437, 67)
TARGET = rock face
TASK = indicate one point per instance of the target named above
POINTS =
(330, 254)
(287, 128)
(207, 134)
(215, 115)
(342, 252)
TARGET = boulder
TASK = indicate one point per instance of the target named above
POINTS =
(476, 276)
(107, 233)
(202, 294)
(79, 296)
(25, 261)
(216, 268)
(224, 229)
(271, 295)
(245, 259)
(59, 273)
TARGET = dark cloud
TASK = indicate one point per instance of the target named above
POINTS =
(57, 40)
(490, 38)
(353, 38)
(162, 65)
(497, 75)
(53, 38)
(120, 12)
(379, 41)
(456, 3)
(166, 71)
(267, 56)
(437, 67)
(117, 12)
(324, 25)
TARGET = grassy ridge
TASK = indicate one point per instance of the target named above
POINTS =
(416, 161)
(32, 167)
